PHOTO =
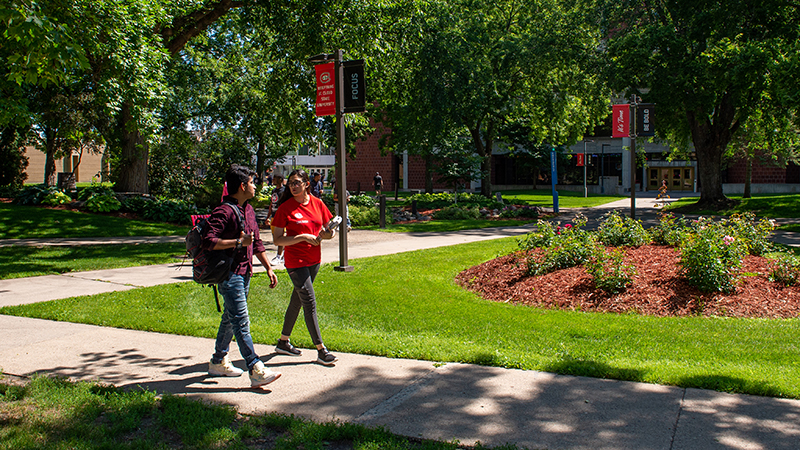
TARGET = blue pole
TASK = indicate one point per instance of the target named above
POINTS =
(554, 177)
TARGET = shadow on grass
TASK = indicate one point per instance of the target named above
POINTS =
(729, 384)
(594, 369)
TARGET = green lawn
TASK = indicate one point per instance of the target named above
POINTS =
(50, 413)
(23, 261)
(407, 306)
(434, 226)
(30, 222)
(566, 199)
(763, 205)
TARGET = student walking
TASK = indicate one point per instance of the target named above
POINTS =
(298, 225)
(233, 227)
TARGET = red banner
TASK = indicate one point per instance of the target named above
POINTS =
(620, 121)
(326, 90)
(580, 159)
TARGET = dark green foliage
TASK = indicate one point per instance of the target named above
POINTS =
(167, 210)
(458, 212)
(616, 230)
(33, 194)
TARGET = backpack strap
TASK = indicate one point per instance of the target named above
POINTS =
(238, 215)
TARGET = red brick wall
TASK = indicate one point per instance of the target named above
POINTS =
(369, 160)
(762, 173)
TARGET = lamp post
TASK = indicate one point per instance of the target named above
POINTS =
(602, 176)
(341, 172)
(585, 189)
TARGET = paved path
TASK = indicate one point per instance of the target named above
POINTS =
(415, 398)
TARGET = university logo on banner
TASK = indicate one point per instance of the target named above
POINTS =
(620, 121)
(326, 89)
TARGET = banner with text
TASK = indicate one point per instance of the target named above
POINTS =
(326, 89)
(620, 121)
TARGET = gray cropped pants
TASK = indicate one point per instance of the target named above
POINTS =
(303, 297)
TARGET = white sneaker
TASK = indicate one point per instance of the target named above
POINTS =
(224, 369)
(261, 375)
(277, 260)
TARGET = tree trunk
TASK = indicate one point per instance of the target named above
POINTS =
(485, 151)
(261, 156)
(134, 154)
(710, 137)
(428, 173)
(748, 176)
(49, 157)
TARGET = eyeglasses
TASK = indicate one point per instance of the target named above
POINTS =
(296, 183)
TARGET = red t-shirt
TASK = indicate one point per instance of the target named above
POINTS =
(295, 219)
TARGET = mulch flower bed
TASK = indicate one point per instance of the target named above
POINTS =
(657, 289)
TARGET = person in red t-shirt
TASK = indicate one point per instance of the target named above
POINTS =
(298, 225)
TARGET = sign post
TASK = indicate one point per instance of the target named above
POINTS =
(340, 89)
(554, 177)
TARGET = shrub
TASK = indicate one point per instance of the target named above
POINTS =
(263, 197)
(56, 198)
(571, 246)
(362, 216)
(440, 200)
(755, 234)
(786, 270)
(609, 271)
(542, 236)
(95, 188)
(103, 203)
(616, 230)
(670, 230)
(135, 204)
(710, 258)
(457, 213)
(167, 210)
(362, 200)
(33, 194)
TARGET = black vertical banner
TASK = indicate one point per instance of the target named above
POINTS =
(354, 86)
(644, 120)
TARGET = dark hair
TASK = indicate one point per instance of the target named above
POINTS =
(238, 175)
(287, 193)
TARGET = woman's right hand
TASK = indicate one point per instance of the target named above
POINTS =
(310, 238)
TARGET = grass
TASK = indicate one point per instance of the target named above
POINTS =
(407, 306)
(54, 413)
(23, 261)
(763, 205)
(433, 226)
(566, 199)
(30, 222)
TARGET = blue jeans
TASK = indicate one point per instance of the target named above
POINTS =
(235, 321)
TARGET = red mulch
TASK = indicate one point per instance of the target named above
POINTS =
(657, 289)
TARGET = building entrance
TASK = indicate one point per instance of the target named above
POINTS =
(677, 178)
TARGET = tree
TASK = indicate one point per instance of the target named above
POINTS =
(706, 64)
(474, 67)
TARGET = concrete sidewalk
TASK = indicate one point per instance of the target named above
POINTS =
(415, 398)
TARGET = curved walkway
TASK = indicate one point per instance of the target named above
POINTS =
(415, 398)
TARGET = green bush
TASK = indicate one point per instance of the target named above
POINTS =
(616, 230)
(362, 200)
(361, 216)
(786, 270)
(440, 200)
(609, 271)
(710, 258)
(755, 234)
(670, 230)
(135, 204)
(571, 246)
(263, 197)
(457, 213)
(522, 211)
(33, 194)
(542, 236)
(103, 203)
(56, 198)
(168, 210)
(95, 188)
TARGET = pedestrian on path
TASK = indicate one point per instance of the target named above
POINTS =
(224, 233)
(298, 225)
(378, 182)
(277, 192)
